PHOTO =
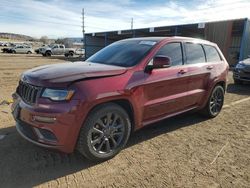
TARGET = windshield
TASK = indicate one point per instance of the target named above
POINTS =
(125, 53)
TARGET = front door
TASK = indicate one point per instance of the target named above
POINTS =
(165, 89)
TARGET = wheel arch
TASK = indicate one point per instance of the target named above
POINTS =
(122, 102)
(222, 84)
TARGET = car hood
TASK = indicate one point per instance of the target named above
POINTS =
(59, 75)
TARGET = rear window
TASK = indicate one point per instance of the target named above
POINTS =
(211, 53)
(194, 53)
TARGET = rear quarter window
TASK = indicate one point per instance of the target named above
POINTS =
(211, 53)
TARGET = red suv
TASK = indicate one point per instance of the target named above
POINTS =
(93, 106)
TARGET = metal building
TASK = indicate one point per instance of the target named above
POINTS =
(232, 36)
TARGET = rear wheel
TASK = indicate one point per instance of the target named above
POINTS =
(29, 52)
(13, 51)
(105, 132)
(215, 102)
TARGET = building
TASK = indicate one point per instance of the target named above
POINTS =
(232, 36)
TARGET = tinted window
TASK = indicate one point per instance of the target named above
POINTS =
(194, 53)
(172, 50)
(125, 53)
(211, 53)
(61, 46)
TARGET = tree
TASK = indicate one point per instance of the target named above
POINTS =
(44, 39)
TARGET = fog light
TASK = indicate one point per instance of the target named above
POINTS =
(42, 119)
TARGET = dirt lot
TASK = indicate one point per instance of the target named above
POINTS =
(178, 152)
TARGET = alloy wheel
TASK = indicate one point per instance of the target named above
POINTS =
(216, 101)
(107, 133)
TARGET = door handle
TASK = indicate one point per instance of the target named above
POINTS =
(210, 67)
(182, 71)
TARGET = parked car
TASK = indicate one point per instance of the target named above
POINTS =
(57, 49)
(8, 49)
(21, 49)
(94, 106)
(80, 52)
(241, 72)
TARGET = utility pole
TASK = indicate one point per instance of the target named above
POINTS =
(83, 28)
(132, 23)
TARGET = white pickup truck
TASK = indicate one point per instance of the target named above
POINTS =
(57, 49)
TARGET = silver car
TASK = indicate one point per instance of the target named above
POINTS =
(22, 49)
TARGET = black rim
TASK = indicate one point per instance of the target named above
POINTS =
(107, 133)
(216, 101)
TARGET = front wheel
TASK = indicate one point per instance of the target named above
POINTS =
(48, 54)
(71, 54)
(104, 133)
(215, 102)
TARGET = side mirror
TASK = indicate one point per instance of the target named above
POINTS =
(161, 62)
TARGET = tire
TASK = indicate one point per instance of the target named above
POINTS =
(66, 55)
(71, 54)
(99, 142)
(29, 52)
(238, 82)
(48, 54)
(14, 52)
(215, 102)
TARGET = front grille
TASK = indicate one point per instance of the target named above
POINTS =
(28, 92)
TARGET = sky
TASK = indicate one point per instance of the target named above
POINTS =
(63, 18)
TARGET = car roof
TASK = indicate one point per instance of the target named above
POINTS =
(174, 38)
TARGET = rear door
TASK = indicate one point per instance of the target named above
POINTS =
(166, 89)
(198, 71)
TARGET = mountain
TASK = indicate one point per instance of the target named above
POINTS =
(16, 36)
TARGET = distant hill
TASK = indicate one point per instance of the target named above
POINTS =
(13, 36)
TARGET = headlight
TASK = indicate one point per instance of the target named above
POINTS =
(58, 95)
(240, 65)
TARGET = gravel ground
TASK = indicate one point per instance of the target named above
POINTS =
(178, 152)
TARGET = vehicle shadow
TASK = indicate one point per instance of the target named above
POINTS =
(23, 164)
(241, 89)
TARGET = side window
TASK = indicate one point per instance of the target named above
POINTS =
(61, 46)
(194, 53)
(174, 51)
(211, 53)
